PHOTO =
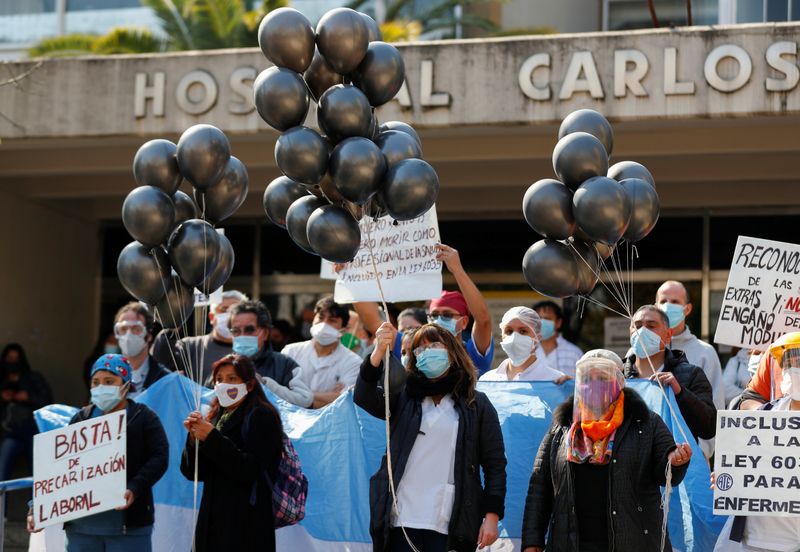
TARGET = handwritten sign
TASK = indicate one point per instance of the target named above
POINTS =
(757, 459)
(405, 255)
(762, 298)
(79, 470)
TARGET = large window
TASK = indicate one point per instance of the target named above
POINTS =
(757, 11)
(621, 15)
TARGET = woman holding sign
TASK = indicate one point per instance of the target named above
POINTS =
(129, 527)
(239, 440)
(596, 481)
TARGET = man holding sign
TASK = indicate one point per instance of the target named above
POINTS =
(85, 478)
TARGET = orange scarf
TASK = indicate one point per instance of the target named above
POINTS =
(600, 429)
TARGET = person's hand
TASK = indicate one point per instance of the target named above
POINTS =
(681, 455)
(338, 267)
(128, 496)
(488, 533)
(563, 379)
(713, 481)
(338, 388)
(191, 419)
(21, 396)
(7, 395)
(534, 549)
(667, 378)
(197, 426)
(384, 340)
(30, 525)
(449, 257)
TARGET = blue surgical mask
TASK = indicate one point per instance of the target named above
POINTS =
(245, 345)
(106, 397)
(433, 362)
(674, 312)
(645, 343)
(449, 324)
(548, 328)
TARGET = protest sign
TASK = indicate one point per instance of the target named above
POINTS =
(405, 255)
(80, 469)
(757, 456)
(762, 298)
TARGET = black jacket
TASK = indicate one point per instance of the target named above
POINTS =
(147, 458)
(229, 465)
(641, 446)
(695, 399)
(479, 445)
(155, 372)
(275, 365)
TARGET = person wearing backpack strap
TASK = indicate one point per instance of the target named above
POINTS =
(240, 441)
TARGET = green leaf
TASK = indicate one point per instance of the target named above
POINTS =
(63, 46)
(127, 40)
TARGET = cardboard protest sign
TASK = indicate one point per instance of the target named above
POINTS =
(762, 298)
(757, 456)
(80, 469)
(405, 255)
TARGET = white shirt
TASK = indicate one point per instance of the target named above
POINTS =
(425, 493)
(563, 358)
(138, 376)
(322, 374)
(538, 371)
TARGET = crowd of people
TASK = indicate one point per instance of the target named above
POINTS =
(596, 480)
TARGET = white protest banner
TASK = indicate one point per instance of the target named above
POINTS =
(762, 298)
(80, 469)
(405, 255)
(756, 459)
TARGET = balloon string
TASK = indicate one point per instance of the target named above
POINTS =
(614, 293)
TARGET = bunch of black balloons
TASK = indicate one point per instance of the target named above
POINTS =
(177, 247)
(353, 166)
(588, 211)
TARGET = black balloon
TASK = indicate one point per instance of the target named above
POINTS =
(550, 268)
(279, 195)
(602, 209)
(302, 155)
(328, 191)
(185, 207)
(320, 76)
(281, 98)
(380, 75)
(148, 214)
(645, 208)
(155, 164)
(578, 157)
(297, 220)
(410, 189)
(591, 122)
(334, 234)
(287, 39)
(144, 272)
(396, 146)
(177, 304)
(547, 207)
(402, 127)
(630, 169)
(344, 112)
(203, 152)
(224, 198)
(375, 207)
(587, 260)
(373, 27)
(193, 249)
(357, 169)
(343, 37)
(223, 267)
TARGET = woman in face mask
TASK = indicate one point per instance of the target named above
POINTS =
(128, 528)
(241, 441)
(596, 481)
(443, 433)
(521, 327)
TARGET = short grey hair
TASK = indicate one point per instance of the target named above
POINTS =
(653, 308)
(230, 294)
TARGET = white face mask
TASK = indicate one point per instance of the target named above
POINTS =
(230, 393)
(131, 344)
(518, 347)
(221, 325)
(325, 334)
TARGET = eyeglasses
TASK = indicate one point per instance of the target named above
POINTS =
(122, 328)
(443, 315)
(247, 330)
(436, 345)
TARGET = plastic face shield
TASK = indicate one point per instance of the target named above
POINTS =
(598, 383)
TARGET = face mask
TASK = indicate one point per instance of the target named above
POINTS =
(433, 363)
(548, 328)
(449, 325)
(130, 344)
(245, 345)
(229, 393)
(404, 360)
(110, 349)
(221, 325)
(752, 364)
(645, 343)
(674, 313)
(325, 334)
(106, 397)
(518, 347)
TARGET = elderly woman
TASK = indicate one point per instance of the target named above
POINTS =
(596, 482)
(521, 329)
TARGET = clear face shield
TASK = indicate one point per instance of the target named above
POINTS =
(598, 382)
(790, 373)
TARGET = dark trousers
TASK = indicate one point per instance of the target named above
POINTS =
(424, 540)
